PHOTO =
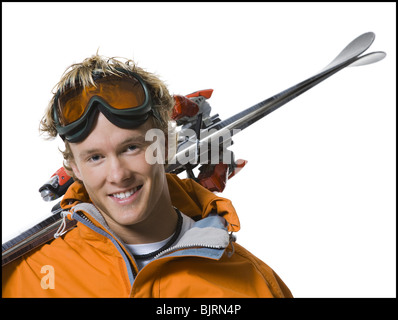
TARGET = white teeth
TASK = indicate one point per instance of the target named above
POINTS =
(126, 194)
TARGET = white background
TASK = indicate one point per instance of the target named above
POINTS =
(317, 198)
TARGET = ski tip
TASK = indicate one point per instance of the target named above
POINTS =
(369, 35)
(356, 47)
(362, 42)
(369, 58)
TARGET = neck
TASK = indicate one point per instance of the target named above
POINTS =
(159, 224)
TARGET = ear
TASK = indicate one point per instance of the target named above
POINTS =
(76, 170)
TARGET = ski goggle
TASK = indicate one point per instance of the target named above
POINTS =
(125, 101)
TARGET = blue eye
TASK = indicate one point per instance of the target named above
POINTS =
(131, 148)
(94, 158)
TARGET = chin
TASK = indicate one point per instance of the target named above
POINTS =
(129, 216)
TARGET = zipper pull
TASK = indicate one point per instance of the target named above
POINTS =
(232, 239)
(62, 227)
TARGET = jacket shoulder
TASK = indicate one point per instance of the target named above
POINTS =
(86, 266)
(22, 277)
(270, 277)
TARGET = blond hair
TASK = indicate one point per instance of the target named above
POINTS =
(81, 74)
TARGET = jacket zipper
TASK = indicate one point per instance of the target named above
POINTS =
(86, 221)
(181, 247)
(232, 238)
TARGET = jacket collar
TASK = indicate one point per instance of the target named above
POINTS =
(207, 238)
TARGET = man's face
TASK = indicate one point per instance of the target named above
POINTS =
(121, 184)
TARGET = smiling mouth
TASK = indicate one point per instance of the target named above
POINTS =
(124, 195)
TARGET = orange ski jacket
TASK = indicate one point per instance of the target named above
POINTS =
(91, 261)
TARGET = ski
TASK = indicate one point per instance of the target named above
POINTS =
(350, 56)
(34, 237)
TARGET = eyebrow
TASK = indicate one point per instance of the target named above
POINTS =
(137, 138)
(129, 140)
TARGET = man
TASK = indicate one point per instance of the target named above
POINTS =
(140, 232)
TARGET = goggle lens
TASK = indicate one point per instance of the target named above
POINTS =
(119, 93)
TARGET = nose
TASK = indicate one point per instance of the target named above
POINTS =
(118, 171)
